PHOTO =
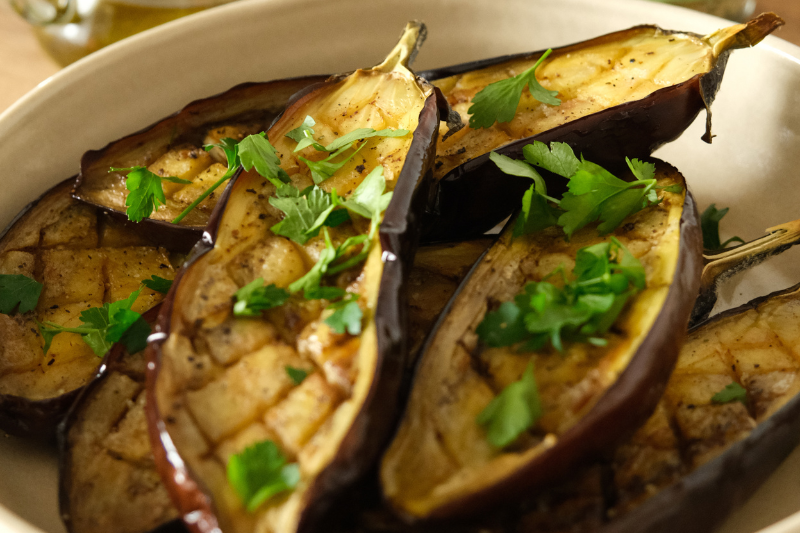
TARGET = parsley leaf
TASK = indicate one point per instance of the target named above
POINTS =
(709, 223)
(158, 284)
(260, 472)
(368, 199)
(103, 326)
(346, 317)
(255, 297)
(305, 214)
(255, 151)
(733, 392)
(558, 159)
(303, 134)
(145, 191)
(18, 290)
(536, 214)
(324, 169)
(606, 276)
(512, 412)
(515, 167)
(311, 280)
(498, 101)
(297, 375)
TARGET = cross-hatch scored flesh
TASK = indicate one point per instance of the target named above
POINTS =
(759, 349)
(84, 259)
(186, 161)
(588, 79)
(440, 450)
(223, 384)
(112, 482)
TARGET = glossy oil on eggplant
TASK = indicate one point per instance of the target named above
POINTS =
(83, 258)
(623, 94)
(440, 463)
(218, 384)
(174, 147)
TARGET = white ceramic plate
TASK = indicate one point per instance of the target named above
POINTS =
(750, 167)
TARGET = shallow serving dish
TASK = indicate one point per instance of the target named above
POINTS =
(750, 167)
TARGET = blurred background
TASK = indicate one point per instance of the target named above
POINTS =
(59, 32)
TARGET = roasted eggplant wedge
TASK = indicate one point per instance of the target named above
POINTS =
(622, 95)
(174, 147)
(108, 478)
(83, 258)
(283, 382)
(441, 462)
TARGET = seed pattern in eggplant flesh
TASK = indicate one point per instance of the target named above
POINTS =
(83, 258)
(588, 80)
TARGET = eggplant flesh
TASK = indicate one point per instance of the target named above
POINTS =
(440, 463)
(83, 258)
(174, 147)
(623, 94)
(108, 478)
(219, 383)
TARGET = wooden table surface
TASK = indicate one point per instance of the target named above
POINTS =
(23, 63)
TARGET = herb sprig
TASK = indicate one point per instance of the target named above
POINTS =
(709, 223)
(260, 472)
(606, 276)
(512, 412)
(145, 191)
(18, 292)
(593, 192)
(498, 101)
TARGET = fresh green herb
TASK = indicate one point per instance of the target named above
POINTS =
(18, 290)
(303, 134)
(311, 280)
(145, 191)
(255, 151)
(346, 317)
(368, 199)
(260, 472)
(498, 101)
(324, 169)
(733, 392)
(297, 375)
(515, 410)
(709, 222)
(103, 326)
(255, 297)
(231, 149)
(305, 213)
(158, 284)
(594, 193)
(606, 276)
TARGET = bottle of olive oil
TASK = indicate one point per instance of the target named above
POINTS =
(98, 23)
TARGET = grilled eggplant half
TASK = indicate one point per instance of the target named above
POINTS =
(622, 95)
(83, 258)
(174, 147)
(440, 463)
(221, 385)
(108, 481)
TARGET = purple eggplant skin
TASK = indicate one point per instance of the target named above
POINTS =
(467, 200)
(399, 233)
(702, 500)
(624, 406)
(259, 102)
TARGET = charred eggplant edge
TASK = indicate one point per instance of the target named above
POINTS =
(700, 501)
(633, 396)
(359, 448)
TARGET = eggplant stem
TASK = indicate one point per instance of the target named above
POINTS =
(743, 35)
(405, 51)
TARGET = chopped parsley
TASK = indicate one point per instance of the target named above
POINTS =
(593, 192)
(498, 101)
(103, 326)
(346, 316)
(733, 392)
(305, 212)
(145, 191)
(709, 223)
(260, 472)
(255, 297)
(18, 292)
(297, 375)
(158, 284)
(606, 276)
(515, 410)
